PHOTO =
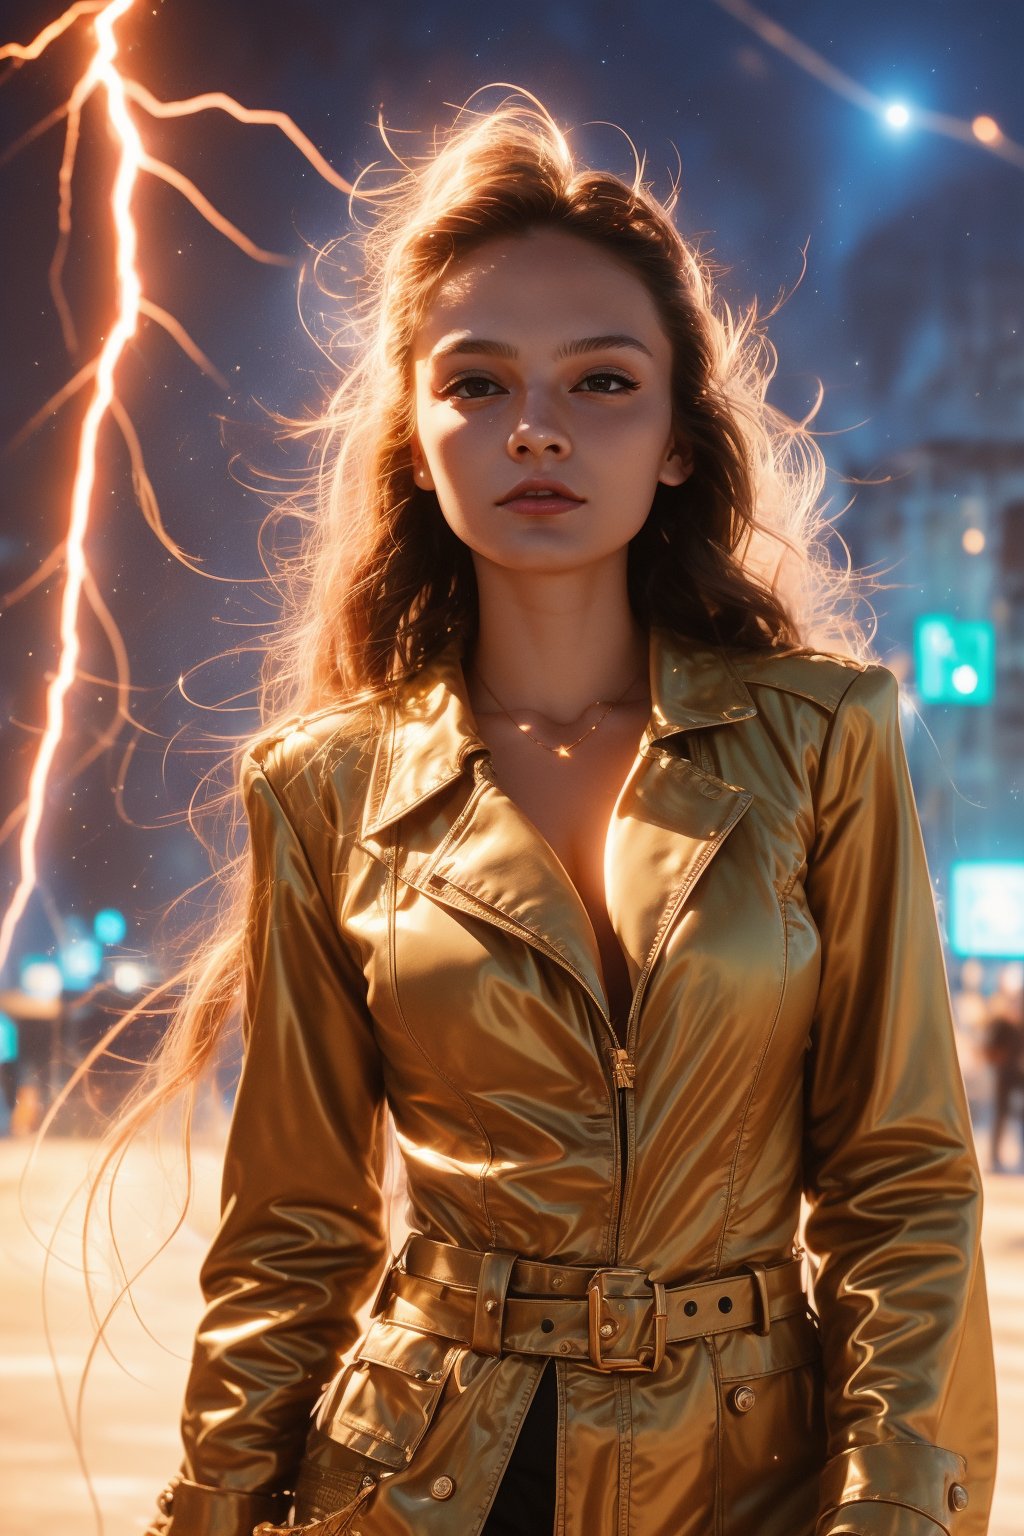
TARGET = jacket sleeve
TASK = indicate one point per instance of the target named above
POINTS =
(301, 1238)
(891, 1174)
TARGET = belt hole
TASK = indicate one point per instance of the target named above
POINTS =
(725, 1303)
(690, 1308)
(546, 1325)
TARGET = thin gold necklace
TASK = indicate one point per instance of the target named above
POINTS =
(567, 747)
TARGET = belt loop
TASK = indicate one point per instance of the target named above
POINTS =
(491, 1288)
(397, 1261)
(757, 1270)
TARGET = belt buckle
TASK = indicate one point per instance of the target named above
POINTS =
(649, 1356)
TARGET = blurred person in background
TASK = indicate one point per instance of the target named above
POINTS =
(1004, 1052)
(970, 1014)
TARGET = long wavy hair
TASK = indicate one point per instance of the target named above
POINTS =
(736, 556)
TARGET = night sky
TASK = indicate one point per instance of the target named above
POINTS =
(772, 161)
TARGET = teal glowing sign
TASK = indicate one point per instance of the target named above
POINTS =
(987, 908)
(955, 660)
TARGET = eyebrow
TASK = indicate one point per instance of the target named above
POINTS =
(463, 344)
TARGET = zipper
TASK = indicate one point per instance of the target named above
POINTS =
(624, 1077)
(623, 1060)
(622, 1070)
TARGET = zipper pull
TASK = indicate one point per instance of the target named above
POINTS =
(623, 1069)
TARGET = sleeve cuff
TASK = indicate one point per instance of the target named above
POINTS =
(903, 1488)
(196, 1509)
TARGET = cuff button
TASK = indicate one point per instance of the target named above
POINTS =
(442, 1487)
(958, 1497)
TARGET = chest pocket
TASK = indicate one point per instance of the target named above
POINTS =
(382, 1403)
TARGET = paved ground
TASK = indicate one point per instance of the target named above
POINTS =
(129, 1418)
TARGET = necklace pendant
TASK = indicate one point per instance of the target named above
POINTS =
(566, 750)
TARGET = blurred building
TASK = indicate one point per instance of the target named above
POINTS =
(937, 299)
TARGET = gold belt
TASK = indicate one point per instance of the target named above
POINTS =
(616, 1318)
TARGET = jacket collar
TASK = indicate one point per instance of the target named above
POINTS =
(432, 733)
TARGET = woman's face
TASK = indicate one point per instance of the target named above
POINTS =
(542, 357)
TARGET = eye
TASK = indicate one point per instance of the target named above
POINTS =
(604, 377)
(448, 391)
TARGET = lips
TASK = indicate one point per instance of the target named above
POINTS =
(541, 496)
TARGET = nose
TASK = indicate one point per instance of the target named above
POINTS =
(536, 432)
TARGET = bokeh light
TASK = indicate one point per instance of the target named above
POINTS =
(40, 978)
(109, 926)
(129, 976)
(80, 963)
(8, 1039)
(986, 130)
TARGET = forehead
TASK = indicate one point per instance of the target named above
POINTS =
(522, 287)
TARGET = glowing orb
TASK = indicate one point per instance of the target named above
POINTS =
(965, 679)
(986, 130)
(897, 116)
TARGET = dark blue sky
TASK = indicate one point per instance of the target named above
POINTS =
(771, 160)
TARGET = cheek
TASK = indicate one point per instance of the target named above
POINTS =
(453, 443)
(435, 424)
(635, 431)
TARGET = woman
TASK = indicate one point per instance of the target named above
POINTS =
(579, 861)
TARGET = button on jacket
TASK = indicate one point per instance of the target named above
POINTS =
(416, 950)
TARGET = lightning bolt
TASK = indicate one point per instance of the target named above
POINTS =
(103, 72)
(38, 45)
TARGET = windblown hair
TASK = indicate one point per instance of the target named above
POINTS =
(735, 556)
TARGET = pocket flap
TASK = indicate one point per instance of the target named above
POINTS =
(382, 1403)
(792, 1341)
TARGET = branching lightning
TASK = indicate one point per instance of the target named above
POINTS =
(99, 374)
(101, 71)
(104, 72)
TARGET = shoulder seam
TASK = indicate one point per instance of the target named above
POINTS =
(825, 687)
(263, 745)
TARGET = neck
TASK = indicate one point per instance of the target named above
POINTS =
(554, 642)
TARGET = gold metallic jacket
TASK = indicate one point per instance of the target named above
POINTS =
(415, 946)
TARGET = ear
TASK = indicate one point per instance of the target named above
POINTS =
(420, 473)
(677, 465)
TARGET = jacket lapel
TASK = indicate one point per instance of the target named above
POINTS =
(668, 823)
(672, 817)
(497, 864)
(463, 842)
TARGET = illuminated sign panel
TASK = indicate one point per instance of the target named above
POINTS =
(987, 908)
(955, 660)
